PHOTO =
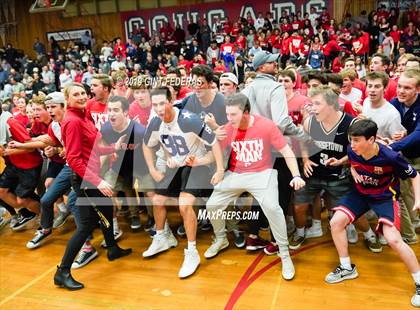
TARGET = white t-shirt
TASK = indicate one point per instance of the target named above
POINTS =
(354, 95)
(386, 117)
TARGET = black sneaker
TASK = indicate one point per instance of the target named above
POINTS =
(23, 221)
(40, 237)
(239, 238)
(181, 230)
(204, 225)
(149, 225)
(84, 258)
(135, 222)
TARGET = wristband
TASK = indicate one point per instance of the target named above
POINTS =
(296, 176)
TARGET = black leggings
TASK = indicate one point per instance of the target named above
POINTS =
(88, 221)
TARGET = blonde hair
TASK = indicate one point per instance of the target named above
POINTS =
(412, 74)
(327, 93)
(69, 87)
(350, 73)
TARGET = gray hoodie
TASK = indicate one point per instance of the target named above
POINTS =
(268, 99)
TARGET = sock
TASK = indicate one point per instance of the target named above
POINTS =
(160, 232)
(316, 223)
(46, 230)
(300, 231)
(416, 277)
(87, 246)
(345, 262)
(166, 227)
(115, 222)
(369, 234)
(191, 245)
(62, 207)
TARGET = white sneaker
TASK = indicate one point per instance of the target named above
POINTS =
(159, 244)
(216, 247)
(313, 232)
(382, 239)
(117, 235)
(172, 242)
(190, 264)
(415, 300)
(13, 220)
(287, 269)
(352, 235)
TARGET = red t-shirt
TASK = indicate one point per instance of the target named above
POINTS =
(241, 41)
(23, 119)
(297, 24)
(285, 46)
(20, 134)
(228, 48)
(97, 112)
(296, 41)
(142, 114)
(251, 148)
(295, 106)
(183, 92)
(395, 35)
(38, 128)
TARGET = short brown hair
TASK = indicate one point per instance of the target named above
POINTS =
(378, 75)
(104, 79)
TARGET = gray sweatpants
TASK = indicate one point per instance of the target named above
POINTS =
(263, 186)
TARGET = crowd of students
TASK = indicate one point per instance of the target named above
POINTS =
(259, 125)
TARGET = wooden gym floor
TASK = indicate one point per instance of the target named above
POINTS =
(234, 279)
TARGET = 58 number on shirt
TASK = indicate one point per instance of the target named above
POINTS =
(175, 145)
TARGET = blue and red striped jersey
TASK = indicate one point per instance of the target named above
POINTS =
(381, 173)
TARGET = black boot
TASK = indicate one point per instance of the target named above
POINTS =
(63, 278)
(115, 252)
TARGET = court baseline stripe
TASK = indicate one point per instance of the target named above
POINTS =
(27, 285)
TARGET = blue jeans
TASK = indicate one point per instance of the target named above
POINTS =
(60, 186)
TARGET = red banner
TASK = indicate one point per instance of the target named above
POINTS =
(153, 19)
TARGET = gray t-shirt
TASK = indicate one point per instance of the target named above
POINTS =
(386, 117)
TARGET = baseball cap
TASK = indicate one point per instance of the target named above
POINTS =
(263, 57)
(230, 76)
(55, 97)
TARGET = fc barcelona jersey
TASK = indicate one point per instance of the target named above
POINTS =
(381, 173)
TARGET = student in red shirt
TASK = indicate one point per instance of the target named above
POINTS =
(119, 49)
(250, 139)
(21, 175)
(380, 62)
(21, 115)
(140, 108)
(294, 45)
(227, 53)
(82, 154)
(275, 41)
(285, 49)
(96, 110)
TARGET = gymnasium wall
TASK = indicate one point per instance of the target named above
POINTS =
(104, 17)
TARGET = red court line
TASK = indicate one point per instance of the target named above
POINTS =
(246, 280)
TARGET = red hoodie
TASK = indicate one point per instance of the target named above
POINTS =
(80, 141)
